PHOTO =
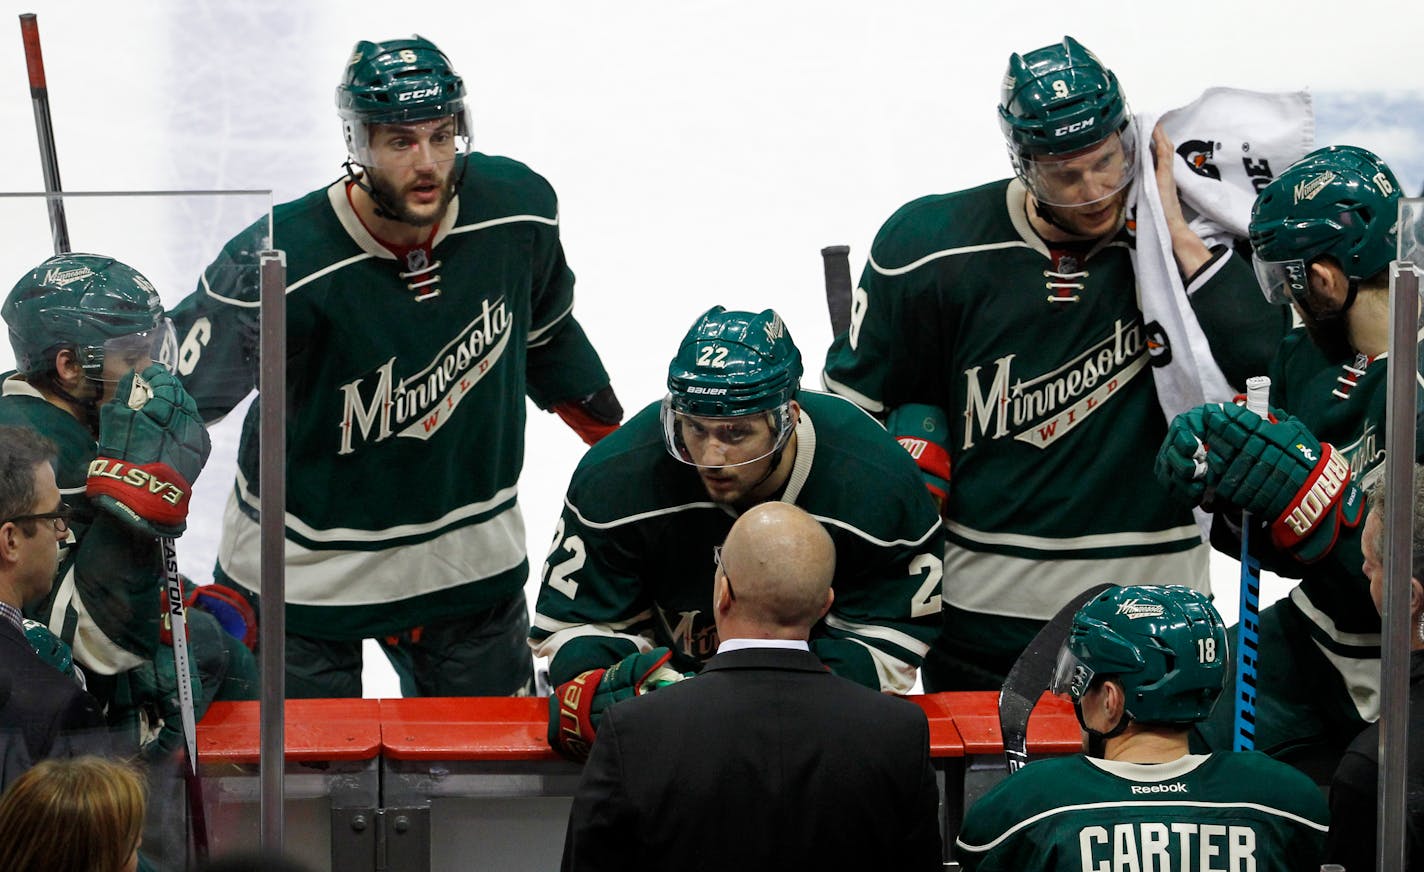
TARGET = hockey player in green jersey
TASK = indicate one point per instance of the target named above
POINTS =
(1324, 234)
(427, 293)
(85, 330)
(1141, 665)
(627, 586)
(1003, 323)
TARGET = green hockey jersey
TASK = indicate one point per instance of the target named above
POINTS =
(405, 416)
(1231, 812)
(1042, 362)
(632, 563)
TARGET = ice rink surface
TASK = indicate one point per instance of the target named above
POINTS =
(703, 151)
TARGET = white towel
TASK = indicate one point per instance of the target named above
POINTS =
(1233, 138)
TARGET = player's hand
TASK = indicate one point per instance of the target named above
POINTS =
(593, 416)
(1280, 471)
(152, 446)
(1189, 250)
(154, 686)
(1181, 461)
(924, 432)
(577, 705)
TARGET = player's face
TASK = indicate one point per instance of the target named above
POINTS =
(39, 551)
(1086, 189)
(118, 365)
(412, 165)
(1373, 567)
(733, 456)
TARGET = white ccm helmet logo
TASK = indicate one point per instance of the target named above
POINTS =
(417, 94)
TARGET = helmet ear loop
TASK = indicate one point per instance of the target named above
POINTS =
(1097, 739)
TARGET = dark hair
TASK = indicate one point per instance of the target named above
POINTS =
(21, 450)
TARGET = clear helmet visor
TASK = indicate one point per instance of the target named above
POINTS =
(1282, 281)
(132, 352)
(723, 443)
(1071, 676)
(433, 142)
(1082, 178)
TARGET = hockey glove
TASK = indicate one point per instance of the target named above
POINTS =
(924, 432)
(577, 705)
(594, 416)
(1283, 473)
(152, 446)
(1181, 461)
(228, 607)
(154, 688)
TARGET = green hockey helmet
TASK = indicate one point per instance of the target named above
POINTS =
(95, 305)
(1340, 202)
(1061, 100)
(732, 365)
(1166, 645)
(399, 81)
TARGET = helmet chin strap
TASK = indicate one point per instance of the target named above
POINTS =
(1098, 740)
(383, 205)
(90, 406)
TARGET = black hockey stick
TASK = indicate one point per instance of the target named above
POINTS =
(1248, 618)
(1031, 675)
(59, 230)
(49, 158)
(836, 261)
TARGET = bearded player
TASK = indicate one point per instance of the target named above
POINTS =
(1324, 233)
(626, 598)
(427, 293)
(1141, 665)
(1002, 323)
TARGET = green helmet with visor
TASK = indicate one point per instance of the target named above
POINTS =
(729, 367)
(1166, 646)
(398, 81)
(100, 308)
(1339, 202)
(1058, 101)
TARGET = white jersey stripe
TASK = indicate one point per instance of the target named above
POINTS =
(948, 252)
(1185, 533)
(1137, 805)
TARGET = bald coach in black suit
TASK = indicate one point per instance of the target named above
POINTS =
(765, 760)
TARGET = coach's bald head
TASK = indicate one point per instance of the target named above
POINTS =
(775, 583)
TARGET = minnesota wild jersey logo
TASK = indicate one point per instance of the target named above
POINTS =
(1043, 408)
(418, 405)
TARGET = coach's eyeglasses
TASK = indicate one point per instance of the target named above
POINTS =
(58, 519)
(717, 556)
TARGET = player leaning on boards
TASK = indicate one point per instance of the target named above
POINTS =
(1003, 322)
(85, 330)
(627, 585)
(1142, 664)
(427, 292)
(1324, 233)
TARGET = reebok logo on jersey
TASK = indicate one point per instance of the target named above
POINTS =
(1044, 408)
(1174, 787)
(419, 404)
(1134, 609)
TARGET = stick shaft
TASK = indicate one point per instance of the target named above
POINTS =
(44, 129)
(1248, 623)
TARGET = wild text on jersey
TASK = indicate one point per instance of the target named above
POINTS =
(1044, 408)
(419, 404)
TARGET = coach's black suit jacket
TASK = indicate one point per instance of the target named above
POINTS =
(763, 761)
(41, 708)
